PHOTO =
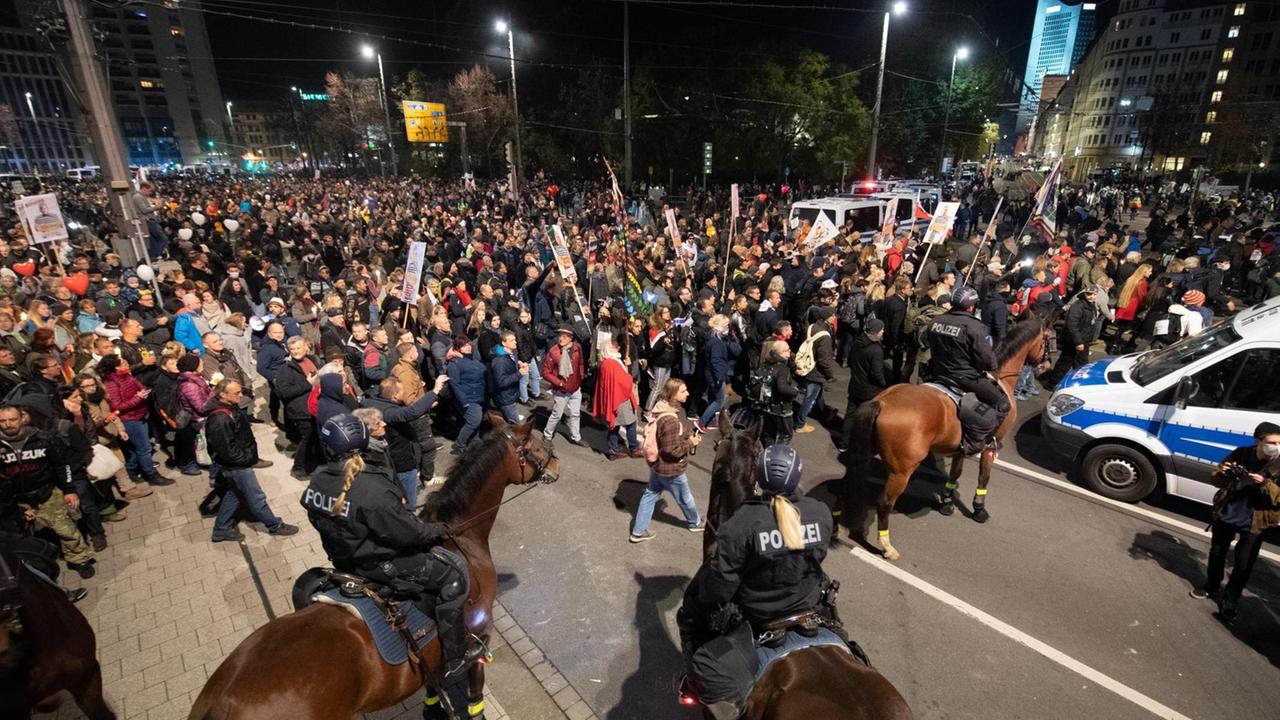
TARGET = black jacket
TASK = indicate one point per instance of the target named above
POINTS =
(30, 468)
(775, 389)
(866, 370)
(1082, 318)
(824, 354)
(294, 389)
(229, 435)
(402, 434)
(893, 312)
(756, 571)
(959, 348)
(374, 525)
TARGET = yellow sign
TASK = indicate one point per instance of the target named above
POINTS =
(425, 121)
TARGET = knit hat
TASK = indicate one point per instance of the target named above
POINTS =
(873, 326)
(1193, 298)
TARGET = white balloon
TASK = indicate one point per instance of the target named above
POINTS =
(145, 273)
(231, 225)
(185, 233)
(197, 218)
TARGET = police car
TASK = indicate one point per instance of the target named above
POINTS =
(1166, 418)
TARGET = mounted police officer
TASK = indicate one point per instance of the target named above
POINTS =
(367, 530)
(767, 566)
(962, 358)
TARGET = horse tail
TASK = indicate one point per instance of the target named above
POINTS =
(862, 447)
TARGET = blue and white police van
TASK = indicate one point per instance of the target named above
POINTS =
(1166, 418)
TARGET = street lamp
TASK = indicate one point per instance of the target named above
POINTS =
(231, 123)
(35, 128)
(502, 27)
(370, 54)
(960, 54)
(897, 9)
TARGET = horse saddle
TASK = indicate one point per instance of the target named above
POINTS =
(793, 640)
(977, 419)
(396, 624)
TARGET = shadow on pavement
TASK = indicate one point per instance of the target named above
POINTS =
(650, 691)
(627, 499)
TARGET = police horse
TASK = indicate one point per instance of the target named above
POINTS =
(322, 663)
(821, 681)
(905, 423)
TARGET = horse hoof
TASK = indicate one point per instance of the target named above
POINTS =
(981, 515)
(891, 554)
(946, 507)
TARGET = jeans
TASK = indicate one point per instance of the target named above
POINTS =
(615, 438)
(1026, 382)
(157, 241)
(715, 401)
(565, 405)
(243, 487)
(812, 397)
(471, 416)
(1247, 548)
(137, 452)
(409, 481)
(184, 447)
(305, 430)
(678, 486)
(509, 413)
(531, 383)
(1206, 313)
(660, 377)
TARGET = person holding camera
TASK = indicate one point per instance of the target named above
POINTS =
(1246, 506)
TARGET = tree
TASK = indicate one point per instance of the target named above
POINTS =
(473, 93)
(352, 118)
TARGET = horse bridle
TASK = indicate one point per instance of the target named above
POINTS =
(539, 477)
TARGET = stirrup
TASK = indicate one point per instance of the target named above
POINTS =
(477, 652)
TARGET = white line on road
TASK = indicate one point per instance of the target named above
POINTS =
(1132, 509)
(1096, 676)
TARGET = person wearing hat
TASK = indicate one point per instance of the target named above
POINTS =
(961, 356)
(1081, 268)
(359, 510)
(768, 563)
(1078, 332)
(866, 372)
(562, 368)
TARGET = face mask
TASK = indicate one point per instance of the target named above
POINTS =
(1271, 451)
(233, 274)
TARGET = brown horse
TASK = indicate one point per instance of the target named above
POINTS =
(820, 682)
(46, 646)
(320, 662)
(905, 423)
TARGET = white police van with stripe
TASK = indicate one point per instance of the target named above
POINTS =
(1166, 418)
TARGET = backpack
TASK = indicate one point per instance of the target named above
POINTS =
(650, 445)
(760, 387)
(913, 320)
(805, 361)
(853, 311)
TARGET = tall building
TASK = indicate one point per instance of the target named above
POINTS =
(40, 131)
(162, 79)
(1059, 38)
(265, 133)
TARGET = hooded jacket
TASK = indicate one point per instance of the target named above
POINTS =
(31, 466)
(332, 399)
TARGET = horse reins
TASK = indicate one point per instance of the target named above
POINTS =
(539, 478)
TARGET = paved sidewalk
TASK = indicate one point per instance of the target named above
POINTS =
(168, 605)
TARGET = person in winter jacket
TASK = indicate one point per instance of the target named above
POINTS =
(467, 383)
(401, 417)
(866, 373)
(720, 352)
(293, 383)
(1078, 331)
(675, 444)
(824, 369)
(234, 452)
(505, 372)
(128, 398)
(374, 364)
(193, 395)
(772, 392)
(332, 397)
(272, 355)
(562, 367)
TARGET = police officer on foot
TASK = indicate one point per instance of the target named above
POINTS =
(367, 530)
(1246, 506)
(962, 357)
(768, 563)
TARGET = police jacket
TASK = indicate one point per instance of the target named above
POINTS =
(753, 568)
(31, 466)
(959, 347)
(374, 525)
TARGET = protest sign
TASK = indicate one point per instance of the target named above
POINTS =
(41, 218)
(823, 231)
(943, 218)
(564, 261)
(890, 217)
(413, 273)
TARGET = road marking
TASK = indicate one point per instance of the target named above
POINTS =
(1095, 676)
(1091, 496)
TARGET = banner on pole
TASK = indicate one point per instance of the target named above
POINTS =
(672, 229)
(943, 218)
(425, 121)
(890, 217)
(823, 231)
(41, 218)
(413, 273)
(733, 200)
(564, 261)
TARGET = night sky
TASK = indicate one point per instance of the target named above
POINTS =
(260, 60)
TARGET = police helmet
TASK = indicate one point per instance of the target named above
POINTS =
(965, 298)
(779, 470)
(343, 435)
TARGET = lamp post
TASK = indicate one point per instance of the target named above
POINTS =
(35, 132)
(960, 54)
(502, 27)
(370, 53)
(231, 123)
(897, 9)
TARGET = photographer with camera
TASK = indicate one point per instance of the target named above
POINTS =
(1246, 505)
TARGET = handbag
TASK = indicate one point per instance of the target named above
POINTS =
(104, 464)
(202, 449)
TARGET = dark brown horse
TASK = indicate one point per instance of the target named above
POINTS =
(820, 682)
(320, 663)
(46, 646)
(905, 423)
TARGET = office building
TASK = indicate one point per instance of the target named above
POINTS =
(264, 133)
(1059, 38)
(40, 131)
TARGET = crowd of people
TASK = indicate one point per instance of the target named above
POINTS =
(282, 300)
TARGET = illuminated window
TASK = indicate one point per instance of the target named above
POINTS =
(1239, 9)
(1228, 54)
(1205, 137)
(1216, 96)
(146, 83)
(1222, 76)
(1234, 31)
(175, 31)
(1211, 116)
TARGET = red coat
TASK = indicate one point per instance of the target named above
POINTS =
(122, 394)
(1129, 311)
(613, 387)
(551, 369)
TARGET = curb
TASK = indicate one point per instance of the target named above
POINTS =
(543, 670)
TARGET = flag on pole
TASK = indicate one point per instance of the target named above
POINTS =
(1044, 212)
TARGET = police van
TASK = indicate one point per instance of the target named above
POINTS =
(1166, 418)
(863, 214)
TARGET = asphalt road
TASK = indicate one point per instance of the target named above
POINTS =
(1060, 606)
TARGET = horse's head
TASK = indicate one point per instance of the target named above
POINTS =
(733, 471)
(537, 458)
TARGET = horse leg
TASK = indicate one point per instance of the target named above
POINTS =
(88, 696)
(946, 503)
(893, 487)
(984, 476)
